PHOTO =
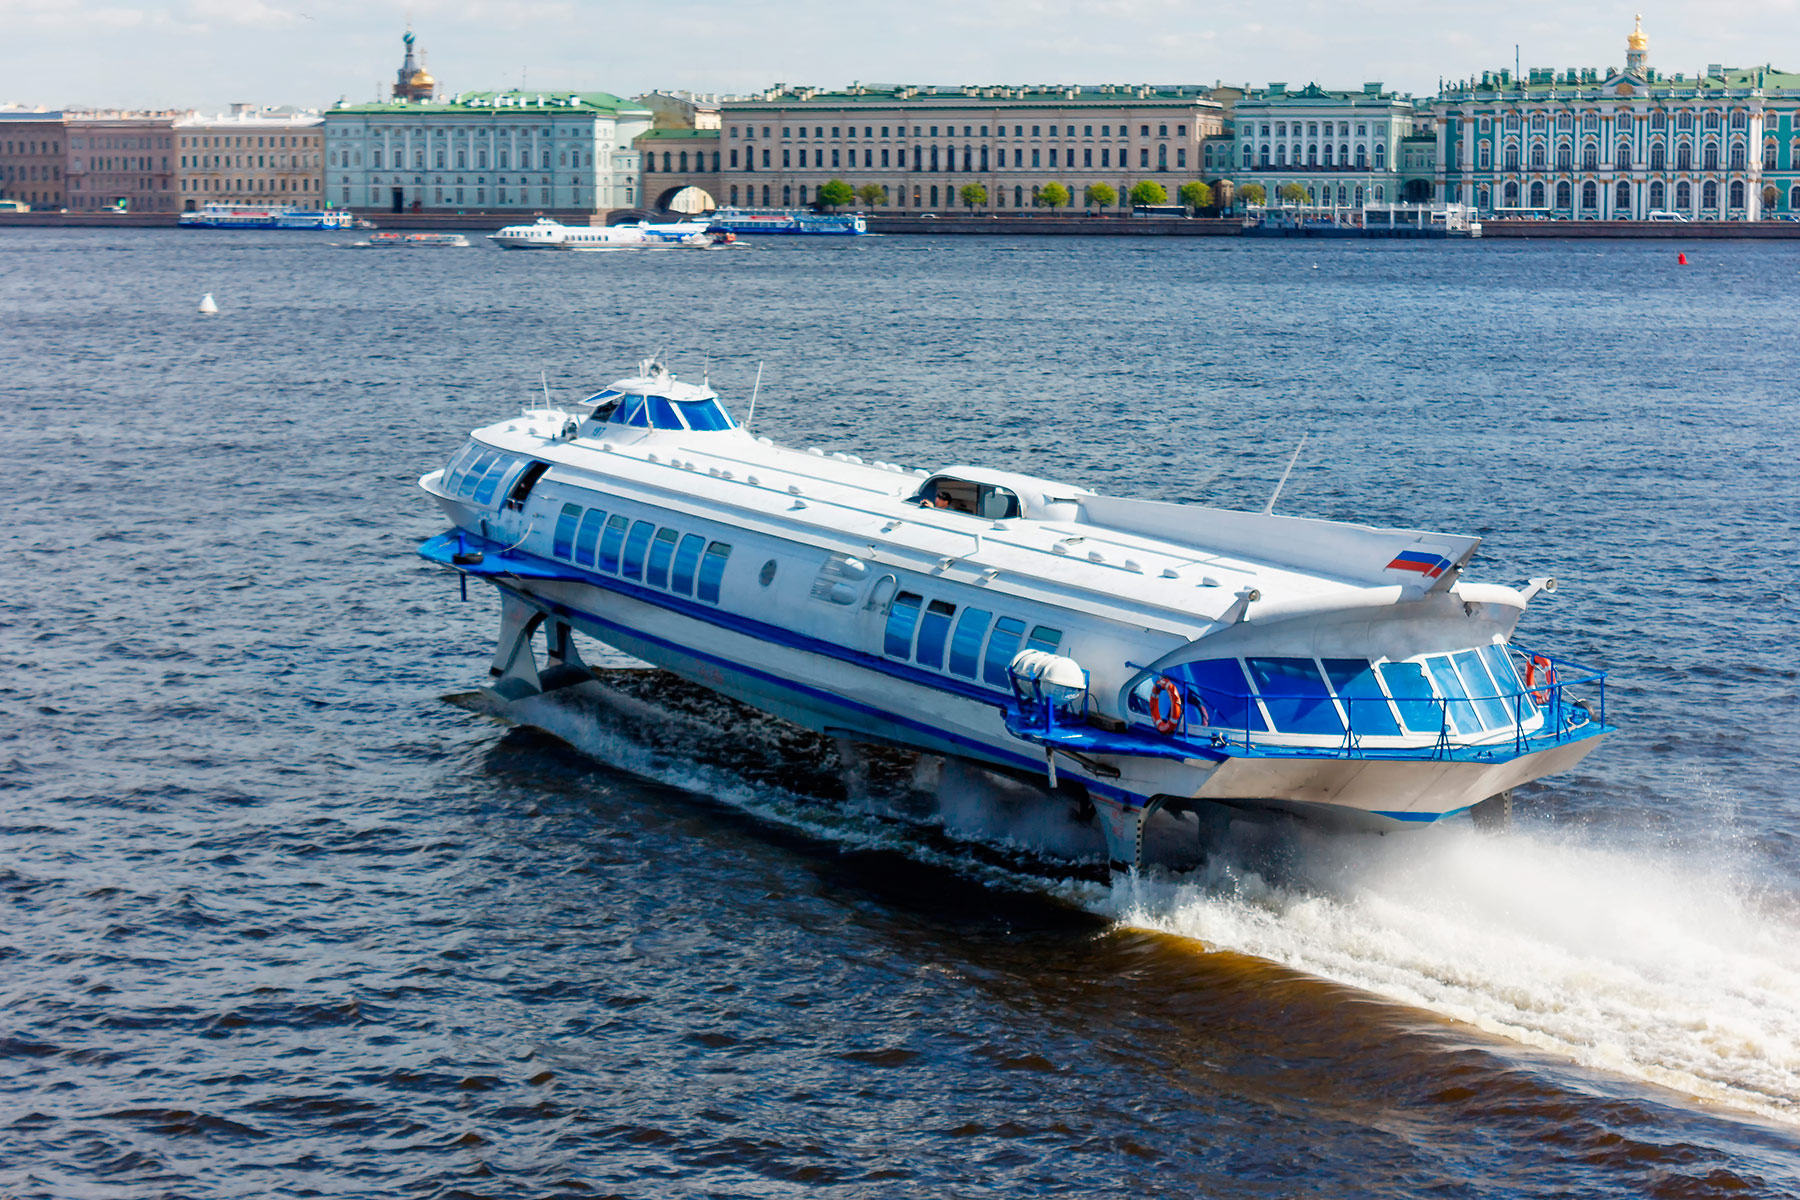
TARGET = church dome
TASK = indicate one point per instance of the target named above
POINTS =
(1638, 40)
(422, 79)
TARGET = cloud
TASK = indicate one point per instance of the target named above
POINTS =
(246, 14)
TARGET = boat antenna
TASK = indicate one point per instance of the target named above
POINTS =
(706, 370)
(1270, 506)
(751, 415)
(544, 381)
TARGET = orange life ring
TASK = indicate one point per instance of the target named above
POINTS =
(1165, 687)
(1540, 697)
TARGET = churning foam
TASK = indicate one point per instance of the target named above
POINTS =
(1635, 962)
(1644, 962)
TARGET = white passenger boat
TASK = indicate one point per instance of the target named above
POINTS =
(1140, 655)
(546, 234)
(413, 241)
(264, 216)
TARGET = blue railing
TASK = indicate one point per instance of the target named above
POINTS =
(1453, 723)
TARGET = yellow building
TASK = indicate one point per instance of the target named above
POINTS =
(251, 157)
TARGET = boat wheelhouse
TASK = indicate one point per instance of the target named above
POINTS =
(1140, 654)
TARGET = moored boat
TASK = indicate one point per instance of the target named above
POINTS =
(1139, 655)
(788, 221)
(264, 216)
(548, 234)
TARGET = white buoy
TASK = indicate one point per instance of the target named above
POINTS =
(208, 306)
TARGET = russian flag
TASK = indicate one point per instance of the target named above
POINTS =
(1425, 562)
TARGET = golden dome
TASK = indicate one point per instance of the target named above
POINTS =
(1637, 40)
(422, 79)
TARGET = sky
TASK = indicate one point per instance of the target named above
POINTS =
(207, 54)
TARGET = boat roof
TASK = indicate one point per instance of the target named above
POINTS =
(1181, 567)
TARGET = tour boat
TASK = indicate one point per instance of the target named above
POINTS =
(787, 220)
(1132, 655)
(548, 234)
(264, 216)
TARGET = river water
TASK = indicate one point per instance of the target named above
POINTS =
(289, 907)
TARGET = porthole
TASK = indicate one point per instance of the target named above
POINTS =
(768, 573)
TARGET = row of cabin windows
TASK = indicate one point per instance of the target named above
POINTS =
(926, 632)
(663, 558)
(1469, 692)
(1657, 194)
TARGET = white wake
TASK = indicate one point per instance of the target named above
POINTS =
(1640, 962)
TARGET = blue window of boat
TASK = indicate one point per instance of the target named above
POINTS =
(1295, 695)
(631, 412)
(1001, 649)
(965, 643)
(1500, 664)
(712, 571)
(662, 550)
(1418, 704)
(705, 415)
(602, 396)
(613, 542)
(490, 481)
(588, 536)
(1353, 679)
(473, 475)
(1480, 686)
(687, 558)
(635, 546)
(934, 631)
(562, 545)
(1221, 687)
(1444, 678)
(662, 414)
(1045, 638)
(453, 473)
(903, 616)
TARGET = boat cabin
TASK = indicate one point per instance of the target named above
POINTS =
(655, 399)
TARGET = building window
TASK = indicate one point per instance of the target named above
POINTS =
(1794, 199)
(1769, 156)
(1656, 194)
(1658, 157)
(1684, 157)
(1737, 193)
(1537, 194)
(1622, 199)
(1710, 156)
(1590, 196)
(1684, 196)
(1622, 156)
(1738, 156)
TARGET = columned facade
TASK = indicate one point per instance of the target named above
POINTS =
(519, 152)
(922, 146)
(1341, 148)
(1621, 145)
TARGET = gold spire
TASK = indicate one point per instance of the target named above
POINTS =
(1637, 40)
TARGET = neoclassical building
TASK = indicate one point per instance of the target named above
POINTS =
(923, 145)
(1623, 143)
(251, 156)
(1343, 148)
(568, 153)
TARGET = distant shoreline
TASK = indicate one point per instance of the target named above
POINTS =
(1036, 225)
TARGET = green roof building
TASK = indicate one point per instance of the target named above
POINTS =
(1622, 144)
(563, 153)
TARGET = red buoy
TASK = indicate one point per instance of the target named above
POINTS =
(1681, 259)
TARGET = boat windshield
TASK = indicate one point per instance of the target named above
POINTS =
(660, 412)
(965, 496)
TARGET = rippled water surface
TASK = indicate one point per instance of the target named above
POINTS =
(289, 907)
